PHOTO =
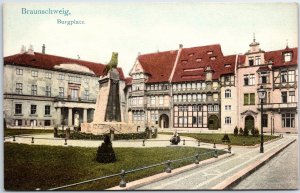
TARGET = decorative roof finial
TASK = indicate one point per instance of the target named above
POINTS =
(287, 43)
(253, 37)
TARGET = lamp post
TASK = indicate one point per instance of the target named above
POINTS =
(261, 95)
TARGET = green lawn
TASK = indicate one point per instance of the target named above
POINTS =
(217, 138)
(27, 167)
(10, 132)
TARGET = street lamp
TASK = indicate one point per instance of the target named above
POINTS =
(261, 95)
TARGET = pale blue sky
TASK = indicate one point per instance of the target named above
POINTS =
(129, 28)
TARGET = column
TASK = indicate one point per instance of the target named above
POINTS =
(84, 115)
(58, 113)
(70, 117)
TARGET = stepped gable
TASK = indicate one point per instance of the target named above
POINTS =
(277, 57)
(158, 65)
(47, 62)
(192, 63)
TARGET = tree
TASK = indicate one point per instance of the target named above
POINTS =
(236, 131)
(241, 131)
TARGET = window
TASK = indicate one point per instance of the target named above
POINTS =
(288, 120)
(227, 107)
(74, 94)
(152, 100)
(291, 76)
(288, 57)
(161, 100)
(194, 120)
(61, 76)
(184, 98)
(174, 87)
(263, 77)
(48, 75)
(179, 98)
(227, 78)
(74, 79)
(47, 109)
(48, 91)
(86, 94)
(257, 60)
(47, 122)
(216, 107)
(175, 98)
(19, 88)
(283, 76)
(19, 71)
(284, 97)
(249, 99)
(265, 120)
(210, 108)
(33, 109)
(227, 120)
(251, 61)
(183, 86)
(34, 90)
(249, 79)
(227, 93)
(291, 96)
(34, 73)
(61, 92)
(189, 97)
(18, 109)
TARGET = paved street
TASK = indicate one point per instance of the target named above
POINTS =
(279, 173)
(208, 176)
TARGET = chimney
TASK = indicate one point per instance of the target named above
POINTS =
(180, 46)
(30, 50)
(43, 49)
(23, 49)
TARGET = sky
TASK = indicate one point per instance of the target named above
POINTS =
(132, 27)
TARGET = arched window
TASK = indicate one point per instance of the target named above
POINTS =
(227, 93)
(227, 120)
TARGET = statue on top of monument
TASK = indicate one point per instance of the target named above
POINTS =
(112, 64)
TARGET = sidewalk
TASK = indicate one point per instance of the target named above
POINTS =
(223, 173)
(160, 141)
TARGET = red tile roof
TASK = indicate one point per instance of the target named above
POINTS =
(128, 81)
(190, 66)
(277, 57)
(158, 65)
(46, 61)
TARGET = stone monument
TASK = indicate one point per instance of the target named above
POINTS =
(107, 116)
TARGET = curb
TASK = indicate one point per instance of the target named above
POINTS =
(238, 177)
(148, 180)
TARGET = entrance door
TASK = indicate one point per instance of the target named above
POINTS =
(164, 121)
(213, 122)
(249, 122)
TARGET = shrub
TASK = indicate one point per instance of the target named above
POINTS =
(225, 139)
(4, 124)
(246, 131)
(241, 131)
(105, 152)
(236, 131)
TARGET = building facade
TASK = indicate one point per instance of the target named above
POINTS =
(42, 90)
(201, 88)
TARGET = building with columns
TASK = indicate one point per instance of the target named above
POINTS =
(42, 90)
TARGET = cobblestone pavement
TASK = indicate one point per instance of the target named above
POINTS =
(210, 175)
(279, 173)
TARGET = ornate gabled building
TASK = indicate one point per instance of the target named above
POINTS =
(277, 72)
(179, 88)
(42, 90)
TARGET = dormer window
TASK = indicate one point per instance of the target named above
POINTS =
(192, 54)
(251, 61)
(227, 65)
(209, 52)
(212, 58)
(287, 57)
(198, 59)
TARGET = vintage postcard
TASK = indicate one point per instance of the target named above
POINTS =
(156, 95)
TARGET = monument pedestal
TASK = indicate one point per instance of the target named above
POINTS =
(107, 115)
